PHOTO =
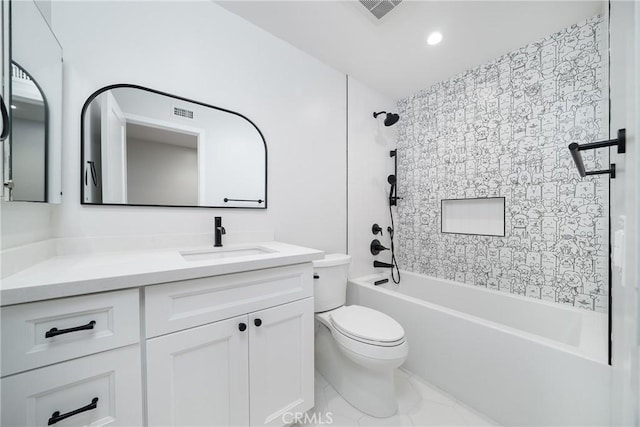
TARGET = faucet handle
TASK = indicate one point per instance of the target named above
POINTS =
(222, 230)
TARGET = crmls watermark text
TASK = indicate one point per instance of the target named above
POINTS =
(316, 418)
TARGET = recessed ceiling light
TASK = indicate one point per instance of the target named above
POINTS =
(13, 107)
(434, 38)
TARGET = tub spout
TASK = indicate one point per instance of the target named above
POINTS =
(380, 264)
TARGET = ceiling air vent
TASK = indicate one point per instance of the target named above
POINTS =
(182, 112)
(380, 8)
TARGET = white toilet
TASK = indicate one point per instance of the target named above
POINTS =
(357, 349)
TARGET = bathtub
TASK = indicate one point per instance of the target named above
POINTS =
(519, 360)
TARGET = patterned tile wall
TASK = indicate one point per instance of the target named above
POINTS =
(502, 129)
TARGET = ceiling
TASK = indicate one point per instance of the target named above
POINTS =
(391, 55)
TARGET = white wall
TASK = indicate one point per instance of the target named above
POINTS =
(369, 165)
(200, 51)
(24, 223)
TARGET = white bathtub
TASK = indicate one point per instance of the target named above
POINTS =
(519, 360)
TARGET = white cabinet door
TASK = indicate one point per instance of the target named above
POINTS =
(101, 389)
(200, 376)
(281, 362)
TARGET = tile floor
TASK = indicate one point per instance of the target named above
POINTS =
(419, 404)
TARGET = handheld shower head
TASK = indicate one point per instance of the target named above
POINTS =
(390, 120)
(391, 179)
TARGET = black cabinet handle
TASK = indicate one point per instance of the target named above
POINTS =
(5, 120)
(55, 331)
(55, 417)
(316, 276)
(257, 322)
(242, 327)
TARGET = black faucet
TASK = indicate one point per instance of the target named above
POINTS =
(218, 231)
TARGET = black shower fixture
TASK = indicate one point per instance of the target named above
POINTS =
(393, 199)
(390, 120)
(376, 247)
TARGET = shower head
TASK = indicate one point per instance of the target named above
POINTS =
(390, 120)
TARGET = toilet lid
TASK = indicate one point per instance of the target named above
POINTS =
(366, 324)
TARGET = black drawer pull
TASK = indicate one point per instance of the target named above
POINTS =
(242, 327)
(257, 322)
(55, 417)
(54, 331)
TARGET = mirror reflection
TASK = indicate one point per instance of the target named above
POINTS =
(143, 147)
(28, 137)
(32, 155)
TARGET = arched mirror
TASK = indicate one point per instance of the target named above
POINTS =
(143, 147)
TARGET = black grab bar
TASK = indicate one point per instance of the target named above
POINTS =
(575, 148)
(226, 200)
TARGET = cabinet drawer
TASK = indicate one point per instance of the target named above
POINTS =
(113, 377)
(180, 305)
(29, 339)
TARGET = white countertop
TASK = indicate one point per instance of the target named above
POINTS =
(68, 275)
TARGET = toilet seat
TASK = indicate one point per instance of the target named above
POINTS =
(367, 326)
(354, 329)
(363, 351)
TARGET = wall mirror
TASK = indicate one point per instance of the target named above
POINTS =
(32, 151)
(143, 147)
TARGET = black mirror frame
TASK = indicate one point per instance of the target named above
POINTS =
(132, 86)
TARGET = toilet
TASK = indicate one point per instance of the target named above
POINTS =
(357, 349)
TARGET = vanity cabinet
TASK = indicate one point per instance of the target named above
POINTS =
(248, 369)
(226, 350)
(73, 361)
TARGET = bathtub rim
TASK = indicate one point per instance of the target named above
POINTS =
(485, 290)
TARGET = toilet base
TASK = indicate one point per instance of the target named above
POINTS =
(370, 389)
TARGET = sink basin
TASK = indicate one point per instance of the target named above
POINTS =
(213, 254)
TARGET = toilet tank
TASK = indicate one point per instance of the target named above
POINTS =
(330, 281)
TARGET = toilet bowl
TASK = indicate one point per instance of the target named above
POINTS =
(357, 349)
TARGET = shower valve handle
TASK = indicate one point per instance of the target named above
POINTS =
(375, 229)
(376, 247)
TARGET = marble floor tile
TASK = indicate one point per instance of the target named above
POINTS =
(419, 404)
